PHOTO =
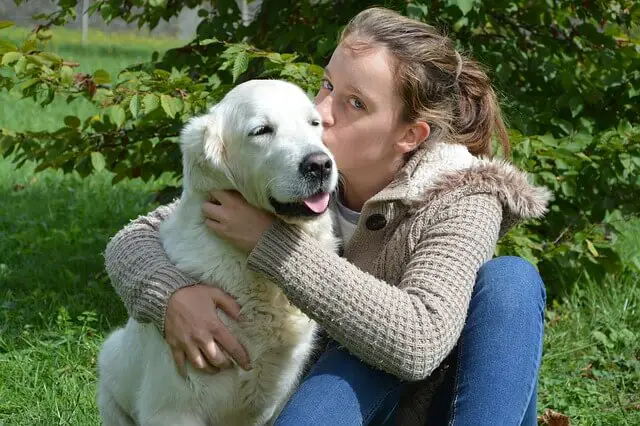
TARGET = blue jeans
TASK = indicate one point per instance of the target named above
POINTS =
(493, 380)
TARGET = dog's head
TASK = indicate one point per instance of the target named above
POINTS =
(264, 140)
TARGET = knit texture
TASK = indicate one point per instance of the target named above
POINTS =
(406, 329)
(398, 297)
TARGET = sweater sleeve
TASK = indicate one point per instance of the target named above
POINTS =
(140, 270)
(406, 330)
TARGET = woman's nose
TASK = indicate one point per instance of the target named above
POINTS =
(323, 105)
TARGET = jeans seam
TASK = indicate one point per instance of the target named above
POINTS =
(536, 364)
(375, 408)
(456, 382)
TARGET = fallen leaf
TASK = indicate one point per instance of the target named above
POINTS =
(553, 418)
(587, 372)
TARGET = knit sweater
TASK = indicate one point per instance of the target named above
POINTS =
(398, 296)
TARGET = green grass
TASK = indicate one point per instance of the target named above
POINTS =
(56, 304)
(591, 362)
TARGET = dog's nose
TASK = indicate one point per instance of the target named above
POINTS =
(316, 165)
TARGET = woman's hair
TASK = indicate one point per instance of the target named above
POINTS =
(438, 85)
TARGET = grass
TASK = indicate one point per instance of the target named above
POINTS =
(56, 304)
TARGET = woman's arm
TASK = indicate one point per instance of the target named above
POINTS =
(146, 281)
(140, 270)
(406, 330)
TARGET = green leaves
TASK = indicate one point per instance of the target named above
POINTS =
(150, 102)
(6, 24)
(465, 6)
(171, 105)
(101, 77)
(117, 115)
(11, 57)
(134, 106)
(240, 65)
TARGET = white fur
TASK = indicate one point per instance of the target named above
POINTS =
(139, 383)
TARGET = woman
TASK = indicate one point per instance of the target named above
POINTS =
(422, 322)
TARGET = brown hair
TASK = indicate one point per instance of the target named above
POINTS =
(438, 85)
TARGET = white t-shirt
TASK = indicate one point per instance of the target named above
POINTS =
(347, 219)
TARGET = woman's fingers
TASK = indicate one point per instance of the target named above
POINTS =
(211, 211)
(215, 355)
(231, 345)
(225, 302)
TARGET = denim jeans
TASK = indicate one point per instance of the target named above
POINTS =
(493, 380)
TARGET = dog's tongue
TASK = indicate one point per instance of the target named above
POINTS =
(318, 203)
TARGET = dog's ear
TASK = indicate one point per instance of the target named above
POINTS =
(204, 156)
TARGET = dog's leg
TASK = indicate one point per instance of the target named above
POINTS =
(110, 411)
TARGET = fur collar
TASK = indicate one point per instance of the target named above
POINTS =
(439, 168)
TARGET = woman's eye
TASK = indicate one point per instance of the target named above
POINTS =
(326, 84)
(357, 103)
(261, 130)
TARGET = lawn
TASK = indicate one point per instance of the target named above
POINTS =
(56, 303)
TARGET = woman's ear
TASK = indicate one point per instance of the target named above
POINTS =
(415, 133)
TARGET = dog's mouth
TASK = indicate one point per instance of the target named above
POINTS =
(312, 206)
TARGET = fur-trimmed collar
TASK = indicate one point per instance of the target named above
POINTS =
(439, 168)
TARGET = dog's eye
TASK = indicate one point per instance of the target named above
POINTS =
(261, 130)
(315, 122)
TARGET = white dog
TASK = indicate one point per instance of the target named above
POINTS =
(263, 140)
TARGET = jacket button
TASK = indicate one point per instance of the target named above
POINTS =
(375, 222)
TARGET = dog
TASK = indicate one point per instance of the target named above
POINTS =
(264, 140)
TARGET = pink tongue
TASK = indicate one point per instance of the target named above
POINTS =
(318, 203)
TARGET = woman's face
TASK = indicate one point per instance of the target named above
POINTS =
(361, 109)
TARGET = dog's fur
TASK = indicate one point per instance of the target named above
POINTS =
(139, 382)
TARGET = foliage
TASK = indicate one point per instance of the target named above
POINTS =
(569, 72)
(596, 182)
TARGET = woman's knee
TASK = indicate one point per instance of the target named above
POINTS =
(511, 284)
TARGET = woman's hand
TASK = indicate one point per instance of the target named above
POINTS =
(194, 330)
(231, 217)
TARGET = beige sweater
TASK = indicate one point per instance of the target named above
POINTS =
(398, 297)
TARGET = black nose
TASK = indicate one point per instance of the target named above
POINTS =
(316, 166)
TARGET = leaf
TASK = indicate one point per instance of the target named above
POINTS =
(240, 65)
(21, 65)
(45, 34)
(170, 105)
(28, 83)
(600, 337)
(576, 105)
(101, 77)
(464, 5)
(7, 46)
(417, 10)
(592, 249)
(134, 106)
(150, 102)
(117, 115)
(11, 57)
(553, 418)
(72, 121)
(208, 40)
(6, 24)
(66, 75)
(97, 161)
(52, 57)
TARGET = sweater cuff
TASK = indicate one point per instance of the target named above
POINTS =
(276, 245)
(154, 301)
